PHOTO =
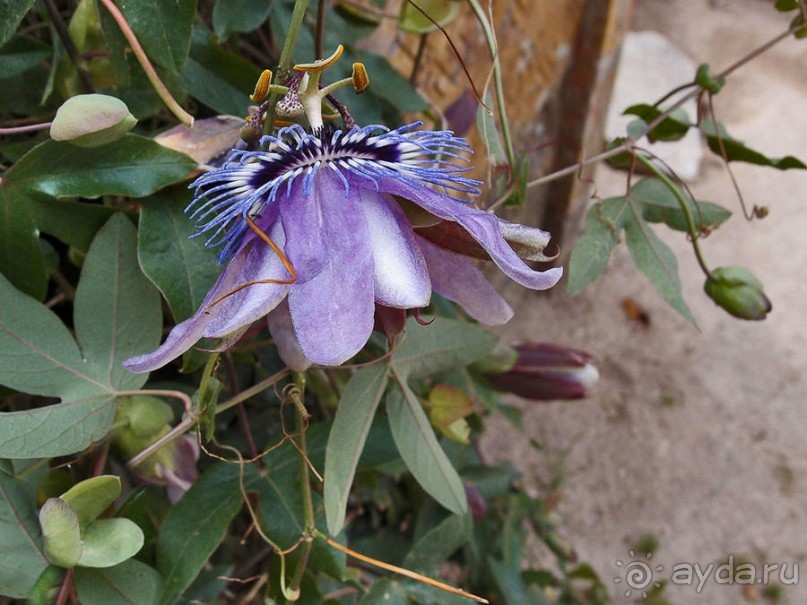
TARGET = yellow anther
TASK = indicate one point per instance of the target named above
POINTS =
(321, 64)
(360, 78)
(261, 87)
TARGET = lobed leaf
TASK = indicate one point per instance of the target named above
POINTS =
(37, 353)
(117, 311)
(349, 431)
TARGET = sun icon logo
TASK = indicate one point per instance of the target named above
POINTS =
(638, 575)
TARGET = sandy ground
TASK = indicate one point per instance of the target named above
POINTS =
(694, 436)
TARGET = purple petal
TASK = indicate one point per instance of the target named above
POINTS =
(400, 276)
(254, 302)
(302, 222)
(282, 330)
(332, 311)
(483, 226)
(458, 279)
(187, 333)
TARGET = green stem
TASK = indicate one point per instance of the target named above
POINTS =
(676, 191)
(189, 421)
(305, 485)
(182, 115)
(297, 15)
(628, 145)
(490, 37)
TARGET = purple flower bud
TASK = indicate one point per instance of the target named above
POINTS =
(478, 505)
(545, 372)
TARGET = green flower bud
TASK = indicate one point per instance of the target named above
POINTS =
(60, 533)
(91, 120)
(736, 290)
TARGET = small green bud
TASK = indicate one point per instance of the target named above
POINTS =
(91, 120)
(147, 417)
(736, 290)
(60, 532)
(706, 80)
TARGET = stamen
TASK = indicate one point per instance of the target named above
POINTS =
(261, 87)
(276, 249)
(360, 78)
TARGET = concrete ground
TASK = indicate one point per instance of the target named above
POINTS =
(694, 436)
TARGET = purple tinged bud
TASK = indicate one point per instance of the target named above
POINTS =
(736, 290)
(547, 372)
(477, 503)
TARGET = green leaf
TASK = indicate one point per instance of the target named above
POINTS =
(56, 430)
(132, 582)
(444, 345)
(736, 151)
(109, 542)
(91, 497)
(20, 537)
(180, 266)
(21, 54)
(421, 451)
(117, 310)
(655, 259)
(132, 166)
(439, 543)
(660, 205)
(74, 223)
(38, 355)
(11, 13)
(195, 527)
(219, 79)
(590, 255)
(20, 256)
(354, 415)
(163, 28)
(671, 128)
(238, 16)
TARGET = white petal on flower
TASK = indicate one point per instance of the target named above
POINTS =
(400, 276)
